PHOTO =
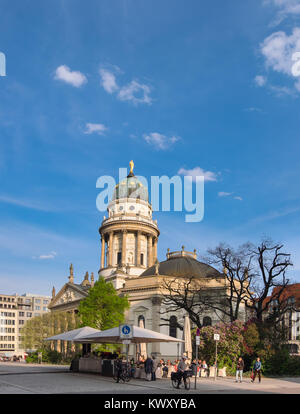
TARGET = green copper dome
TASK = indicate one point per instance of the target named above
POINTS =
(130, 187)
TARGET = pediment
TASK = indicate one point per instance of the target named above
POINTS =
(68, 293)
(140, 309)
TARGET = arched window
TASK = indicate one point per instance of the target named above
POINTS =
(173, 327)
(119, 258)
(206, 321)
(141, 318)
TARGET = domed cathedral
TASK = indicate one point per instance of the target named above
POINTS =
(128, 235)
(129, 238)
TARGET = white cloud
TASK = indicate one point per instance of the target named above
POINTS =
(253, 109)
(108, 81)
(260, 80)
(136, 93)
(225, 194)
(278, 50)
(160, 141)
(95, 128)
(285, 7)
(198, 172)
(282, 90)
(74, 78)
(46, 256)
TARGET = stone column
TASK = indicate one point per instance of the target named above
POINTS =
(155, 250)
(110, 247)
(102, 251)
(138, 248)
(156, 302)
(149, 251)
(124, 234)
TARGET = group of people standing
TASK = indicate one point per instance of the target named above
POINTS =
(152, 363)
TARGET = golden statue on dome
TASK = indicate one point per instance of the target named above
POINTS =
(131, 164)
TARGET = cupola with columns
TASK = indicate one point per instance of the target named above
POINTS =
(129, 235)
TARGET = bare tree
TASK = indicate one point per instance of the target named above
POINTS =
(182, 294)
(238, 272)
(245, 280)
(270, 281)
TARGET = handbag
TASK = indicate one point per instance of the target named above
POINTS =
(252, 375)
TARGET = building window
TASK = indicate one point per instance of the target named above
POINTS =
(37, 308)
(37, 300)
(29, 314)
(141, 318)
(21, 313)
(173, 327)
(206, 321)
(45, 302)
(119, 258)
(45, 308)
(142, 259)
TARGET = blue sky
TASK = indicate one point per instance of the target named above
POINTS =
(173, 85)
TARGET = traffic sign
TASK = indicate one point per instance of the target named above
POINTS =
(126, 331)
(216, 337)
(197, 340)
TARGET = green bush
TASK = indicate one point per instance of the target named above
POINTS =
(54, 357)
(281, 363)
(48, 356)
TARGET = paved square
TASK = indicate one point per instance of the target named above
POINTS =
(17, 378)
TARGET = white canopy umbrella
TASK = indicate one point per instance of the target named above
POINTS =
(187, 345)
(143, 346)
(140, 335)
(74, 334)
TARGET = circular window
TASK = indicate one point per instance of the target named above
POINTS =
(131, 208)
(120, 208)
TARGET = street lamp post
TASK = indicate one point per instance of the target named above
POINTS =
(216, 338)
(197, 344)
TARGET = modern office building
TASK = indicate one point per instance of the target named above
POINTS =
(15, 311)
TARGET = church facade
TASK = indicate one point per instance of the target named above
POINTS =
(128, 259)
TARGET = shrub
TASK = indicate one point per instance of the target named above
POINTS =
(54, 357)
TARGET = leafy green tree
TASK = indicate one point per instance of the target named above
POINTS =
(37, 329)
(103, 308)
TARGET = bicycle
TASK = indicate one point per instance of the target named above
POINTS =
(124, 375)
(179, 382)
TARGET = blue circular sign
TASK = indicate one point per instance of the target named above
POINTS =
(126, 330)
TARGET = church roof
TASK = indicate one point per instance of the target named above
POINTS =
(130, 187)
(182, 266)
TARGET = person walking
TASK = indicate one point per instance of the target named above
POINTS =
(148, 368)
(239, 370)
(182, 367)
(119, 368)
(257, 370)
(154, 368)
